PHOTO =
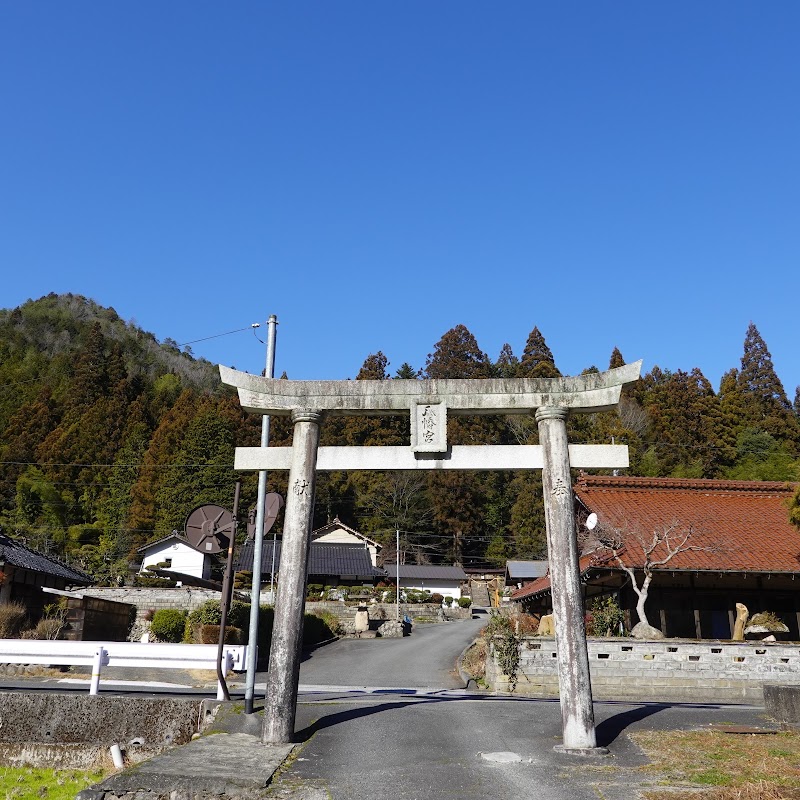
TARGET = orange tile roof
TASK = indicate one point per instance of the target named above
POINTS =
(742, 526)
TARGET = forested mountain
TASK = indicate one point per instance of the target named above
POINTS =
(109, 438)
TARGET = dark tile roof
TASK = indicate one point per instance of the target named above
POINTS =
(526, 570)
(426, 572)
(324, 559)
(24, 557)
(740, 526)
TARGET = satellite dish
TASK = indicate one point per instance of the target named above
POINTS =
(591, 521)
(209, 529)
(273, 503)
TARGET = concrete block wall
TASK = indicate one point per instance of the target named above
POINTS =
(669, 670)
(184, 598)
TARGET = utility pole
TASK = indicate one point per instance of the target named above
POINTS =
(258, 538)
(397, 588)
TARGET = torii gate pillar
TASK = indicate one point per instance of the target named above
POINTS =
(574, 681)
(287, 637)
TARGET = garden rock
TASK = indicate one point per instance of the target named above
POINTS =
(643, 631)
(391, 630)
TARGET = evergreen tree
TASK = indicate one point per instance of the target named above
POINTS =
(457, 355)
(203, 473)
(616, 359)
(528, 528)
(91, 380)
(457, 499)
(537, 358)
(685, 419)
(766, 403)
(507, 364)
(406, 372)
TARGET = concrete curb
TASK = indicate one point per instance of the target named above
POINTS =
(235, 764)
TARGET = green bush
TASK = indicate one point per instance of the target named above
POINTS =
(319, 628)
(464, 602)
(153, 582)
(210, 613)
(604, 617)
(168, 624)
(313, 591)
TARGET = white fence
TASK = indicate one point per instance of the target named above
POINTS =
(122, 654)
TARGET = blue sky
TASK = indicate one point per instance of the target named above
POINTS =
(616, 173)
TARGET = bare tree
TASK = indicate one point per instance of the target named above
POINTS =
(639, 549)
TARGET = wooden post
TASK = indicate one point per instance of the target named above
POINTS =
(287, 633)
(574, 681)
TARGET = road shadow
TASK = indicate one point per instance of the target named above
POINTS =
(609, 729)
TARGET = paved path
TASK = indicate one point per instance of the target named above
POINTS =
(426, 658)
(445, 745)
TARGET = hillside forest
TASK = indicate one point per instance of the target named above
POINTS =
(109, 438)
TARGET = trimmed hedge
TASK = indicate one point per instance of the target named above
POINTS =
(168, 624)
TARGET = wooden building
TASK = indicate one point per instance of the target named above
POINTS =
(741, 549)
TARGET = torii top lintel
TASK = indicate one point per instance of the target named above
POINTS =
(596, 391)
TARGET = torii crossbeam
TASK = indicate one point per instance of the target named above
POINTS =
(429, 402)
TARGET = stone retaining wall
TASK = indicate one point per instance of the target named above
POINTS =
(184, 598)
(187, 598)
(669, 670)
(425, 612)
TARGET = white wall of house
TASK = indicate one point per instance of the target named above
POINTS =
(442, 587)
(182, 558)
(342, 536)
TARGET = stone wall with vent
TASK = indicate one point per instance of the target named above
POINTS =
(670, 670)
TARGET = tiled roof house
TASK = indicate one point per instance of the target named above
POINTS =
(748, 552)
(24, 572)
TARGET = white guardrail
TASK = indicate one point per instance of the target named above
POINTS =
(122, 654)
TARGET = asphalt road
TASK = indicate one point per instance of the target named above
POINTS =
(426, 658)
(385, 717)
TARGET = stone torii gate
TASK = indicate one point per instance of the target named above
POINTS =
(429, 402)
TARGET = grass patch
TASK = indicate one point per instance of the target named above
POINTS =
(25, 783)
(727, 766)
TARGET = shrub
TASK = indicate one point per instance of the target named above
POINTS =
(604, 617)
(168, 624)
(313, 591)
(148, 615)
(500, 632)
(319, 627)
(153, 582)
(50, 628)
(464, 602)
(209, 634)
(436, 598)
(13, 617)
(210, 613)
(448, 601)
(243, 579)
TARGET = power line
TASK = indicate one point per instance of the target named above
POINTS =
(215, 336)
